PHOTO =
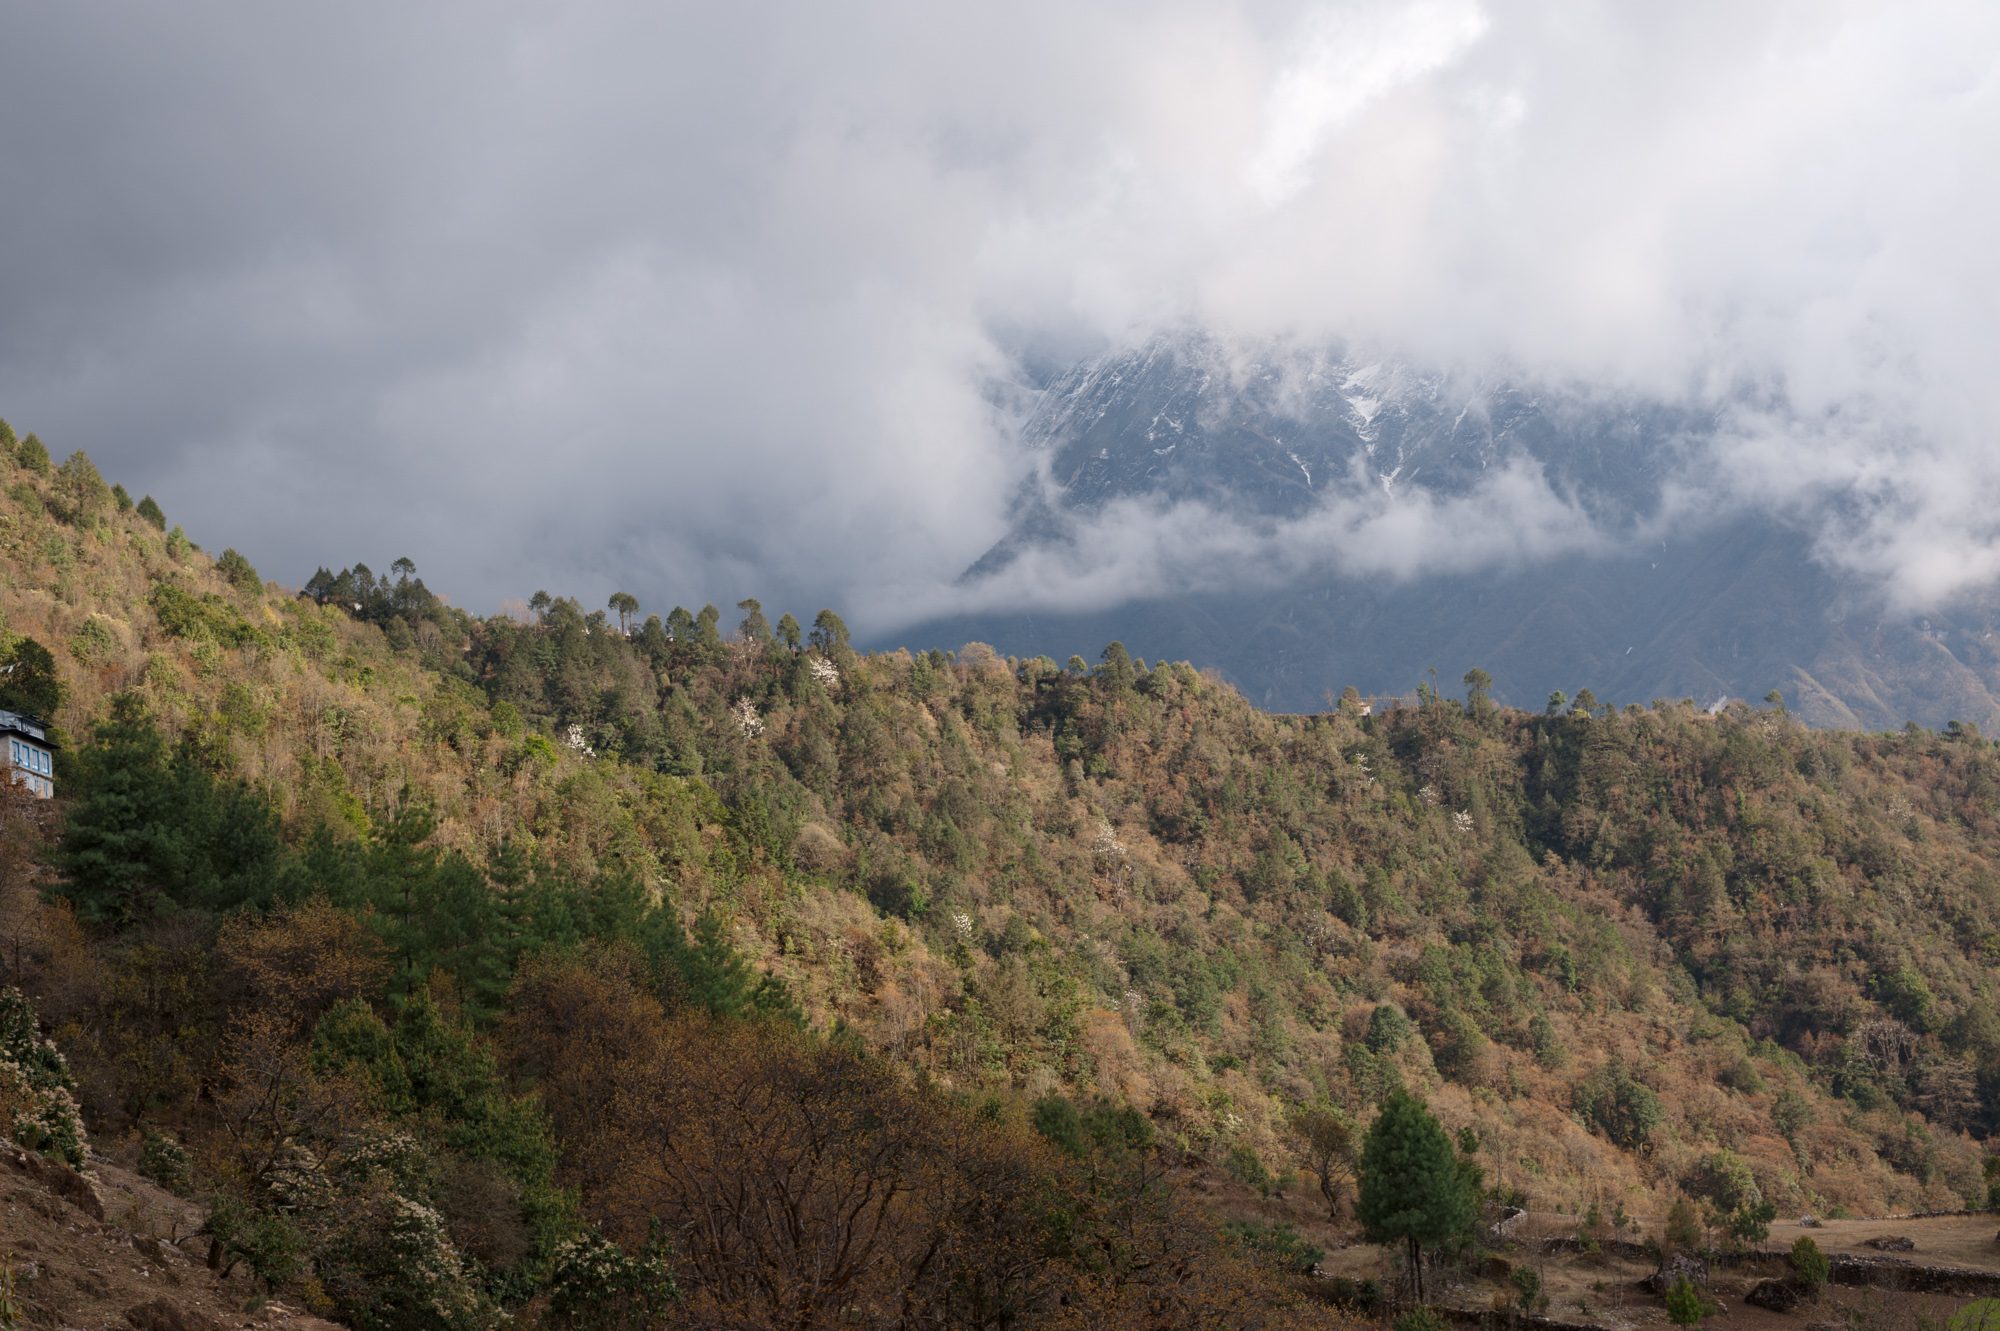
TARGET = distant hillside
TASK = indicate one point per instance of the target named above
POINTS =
(1735, 609)
(524, 902)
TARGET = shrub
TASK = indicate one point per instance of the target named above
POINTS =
(1057, 1119)
(238, 573)
(1387, 1028)
(1750, 1223)
(1810, 1265)
(1279, 1243)
(1527, 1282)
(271, 1243)
(205, 618)
(1685, 1304)
(165, 1161)
(1617, 1104)
(1421, 1319)
(1979, 1315)
(1724, 1179)
(1245, 1166)
(394, 1268)
(1363, 1295)
(1683, 1228)
(596, 1286)
(11, 1309)
(1790, 1112)
(92, 643)
(1741, 1075)
(38, 1106)
(79, 491)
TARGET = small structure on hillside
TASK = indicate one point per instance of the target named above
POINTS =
(30, 754)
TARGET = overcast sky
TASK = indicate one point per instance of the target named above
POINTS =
(706, 301)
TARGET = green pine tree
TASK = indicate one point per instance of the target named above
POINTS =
(33, 454)
(713, 973)
(1413, 1189)
(121, 833)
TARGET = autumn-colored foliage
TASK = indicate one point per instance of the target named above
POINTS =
(527, 926)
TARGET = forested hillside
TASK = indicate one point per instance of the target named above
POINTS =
(480, 951)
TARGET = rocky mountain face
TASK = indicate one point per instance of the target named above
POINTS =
(1703, 609)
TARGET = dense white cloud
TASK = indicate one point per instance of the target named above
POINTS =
(1135, 548)
(708, 301)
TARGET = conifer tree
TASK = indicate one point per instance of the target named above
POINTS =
(713, 974)
(1413, 1190)
(120, 830)
(33, 454)
(707, 629)
(80, 491)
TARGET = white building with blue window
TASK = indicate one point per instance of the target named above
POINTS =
(30, 755)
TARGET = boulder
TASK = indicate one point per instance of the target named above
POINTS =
(160, 1315)
(1809, 1222)
(1891, 1243)
(1780, 1296)
(1680, 1265)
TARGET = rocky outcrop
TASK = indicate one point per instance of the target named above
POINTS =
(60, 1180)
(1681, 1266)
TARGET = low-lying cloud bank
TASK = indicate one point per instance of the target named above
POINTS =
(1135, 549)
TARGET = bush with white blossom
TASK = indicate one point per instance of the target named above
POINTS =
(38, 1106)
(597, 1286)
(395, 1268)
